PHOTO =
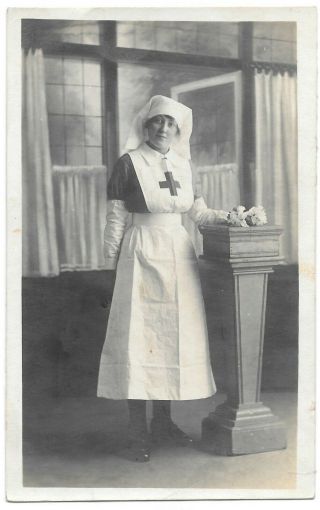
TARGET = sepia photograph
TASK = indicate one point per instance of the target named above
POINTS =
(159, 309)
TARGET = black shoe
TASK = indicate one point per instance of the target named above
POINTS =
(139, 448)
(168, 431)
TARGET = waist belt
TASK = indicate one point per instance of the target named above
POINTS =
(156, 219)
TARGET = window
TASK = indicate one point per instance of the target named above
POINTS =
(216, 39)
(74, 102)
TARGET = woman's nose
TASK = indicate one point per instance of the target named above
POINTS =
(164, 127)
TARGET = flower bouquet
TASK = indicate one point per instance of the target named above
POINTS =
(239, 217)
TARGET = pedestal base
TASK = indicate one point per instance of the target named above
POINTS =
(248, 429)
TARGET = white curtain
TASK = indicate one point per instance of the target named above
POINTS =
(275, 174)
(80, 199)
(40, 251)
(220, 190)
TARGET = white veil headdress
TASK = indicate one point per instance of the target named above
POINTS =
(161, 105)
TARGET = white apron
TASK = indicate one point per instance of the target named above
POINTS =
(156, 346)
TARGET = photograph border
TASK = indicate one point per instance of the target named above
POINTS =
(306, 19)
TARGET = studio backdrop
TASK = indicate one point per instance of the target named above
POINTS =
(64, 206)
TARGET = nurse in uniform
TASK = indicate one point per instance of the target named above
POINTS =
(156, 346)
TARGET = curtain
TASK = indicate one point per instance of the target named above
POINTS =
(40, 251)
(64, 208)
(80, 200)
(275, 174)
(220, 190)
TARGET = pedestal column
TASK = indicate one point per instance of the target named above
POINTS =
(239, 260)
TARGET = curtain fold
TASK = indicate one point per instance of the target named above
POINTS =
(220, 190)
(40, 251)
(80, 200)
(275, 174)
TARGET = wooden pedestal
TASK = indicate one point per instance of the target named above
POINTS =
(239, 260)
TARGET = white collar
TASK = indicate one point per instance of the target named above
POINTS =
(152, 156)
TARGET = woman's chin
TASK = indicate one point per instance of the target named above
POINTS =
(160, 147)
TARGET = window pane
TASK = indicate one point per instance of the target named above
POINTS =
(229, 28)
(54, 98)
(74, 130)
(93, 156)
(262, 49)
(54, 70)
(165, 39)
(226, 130)
(282, 51)
(208, 43)
(284, 31)
(93, 131)
(206, 136)
(186, 41)
(225, 152)
(91, 33)
(125, 34)
(70, 33)
(145, 35)
(92, 101)
(56, 129)
(73, 99)
(205, 154)
(92, 73)
(228, 46)
(262, 29)
(58, 155)
(75, 156)
(72, 71)
(214, 110)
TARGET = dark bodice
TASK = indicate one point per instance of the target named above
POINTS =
(124, 185)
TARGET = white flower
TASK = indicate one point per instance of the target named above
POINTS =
(256, 216)
(237, 217)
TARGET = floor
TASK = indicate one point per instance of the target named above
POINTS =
(80, 443)
(73, 439)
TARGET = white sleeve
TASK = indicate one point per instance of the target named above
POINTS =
(117, 216)
(201, 214)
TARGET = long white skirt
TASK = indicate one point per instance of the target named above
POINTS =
(156, 346)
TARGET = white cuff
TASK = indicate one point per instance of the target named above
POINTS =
(201, 214)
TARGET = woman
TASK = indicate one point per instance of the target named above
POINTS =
(156, 345)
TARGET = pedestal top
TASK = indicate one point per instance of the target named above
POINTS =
(242, 245)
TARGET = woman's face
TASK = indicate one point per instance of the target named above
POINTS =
(162, 129)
